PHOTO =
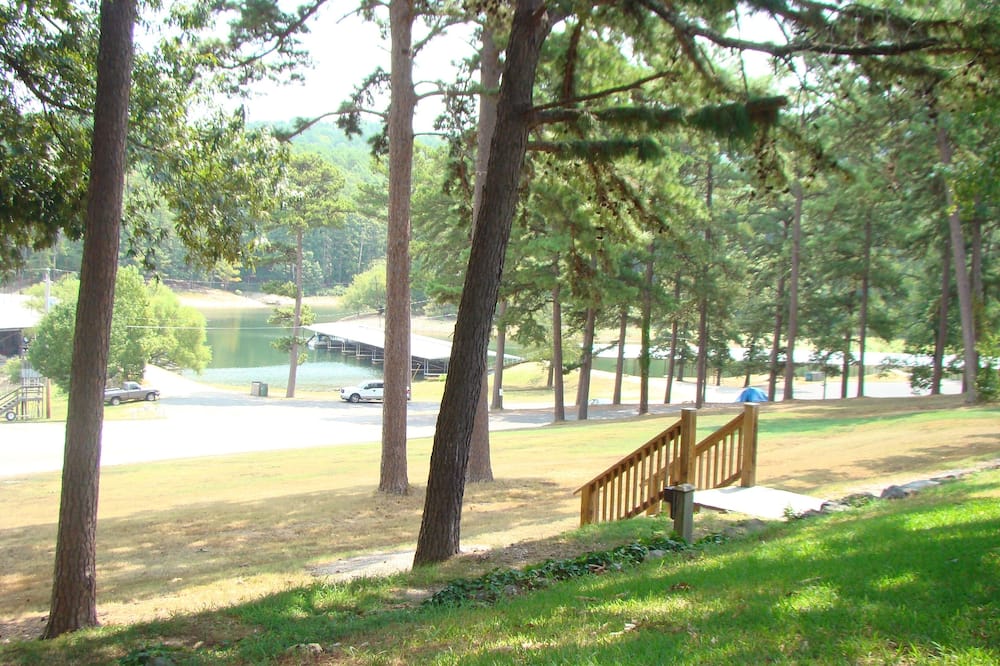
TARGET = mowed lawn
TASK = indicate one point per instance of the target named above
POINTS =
(180, 538)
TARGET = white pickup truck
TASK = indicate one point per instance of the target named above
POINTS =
(367, 392)
(129, 391)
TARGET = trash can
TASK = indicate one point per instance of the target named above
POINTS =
(254, 388)
(263, 390)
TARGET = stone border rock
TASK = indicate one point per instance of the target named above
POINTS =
(905, 490)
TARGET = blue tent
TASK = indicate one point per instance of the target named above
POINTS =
(751, 394)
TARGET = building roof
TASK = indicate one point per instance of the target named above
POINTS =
(15, 313)
(420, 346)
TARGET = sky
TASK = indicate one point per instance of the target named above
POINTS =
(345, 50)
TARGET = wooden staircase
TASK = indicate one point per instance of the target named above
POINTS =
(636, 483)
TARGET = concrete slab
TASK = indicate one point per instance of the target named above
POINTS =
(758, 501)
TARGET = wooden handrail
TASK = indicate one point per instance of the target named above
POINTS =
(729, 454)
(635, 484)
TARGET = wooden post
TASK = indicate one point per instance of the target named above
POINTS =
(748, 465)
(682, 511)
(689, 424)
(587, 512)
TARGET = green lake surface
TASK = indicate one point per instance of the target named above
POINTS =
(241, 339)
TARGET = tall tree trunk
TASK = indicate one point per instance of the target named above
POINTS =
(779, 310)
(440, 526)
(976, 274)
(674, 335)
(620, 361)
(702, 364)
(583, 386)
(480, 468)
(74, 582)
(965, 307)
(499, 361)
(866, 284)
(845, 365)
(393, 474)
(793, 292)
(751, 353)
(772, 363)
(293, 350)
(646, 342)
(558, 386)
(941, 337)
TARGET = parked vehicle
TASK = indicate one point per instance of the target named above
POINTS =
(129, 391)
(368, 391)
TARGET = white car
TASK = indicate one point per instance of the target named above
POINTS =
(368, 391)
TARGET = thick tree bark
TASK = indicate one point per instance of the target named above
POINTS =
(74, 586)
(440, 527)
(941, 337)
(962, 283)
(620, 362)
(293, 351)
(556, 372)
(866, 282)
(480, 468)
(793, 293)
(393, 475)
(583, 387)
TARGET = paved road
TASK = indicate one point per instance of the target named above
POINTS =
(220, 423)
(195, 420)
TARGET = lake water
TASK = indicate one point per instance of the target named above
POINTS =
(242, 353)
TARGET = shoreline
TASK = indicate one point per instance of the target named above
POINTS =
(220, 299)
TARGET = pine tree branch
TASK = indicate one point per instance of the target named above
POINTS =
(644, 149)
(921, 42)
(551, 113)
(717, 118)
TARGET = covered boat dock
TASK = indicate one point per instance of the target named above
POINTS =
(428, 356)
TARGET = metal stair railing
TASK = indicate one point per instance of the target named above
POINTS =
(9, 400)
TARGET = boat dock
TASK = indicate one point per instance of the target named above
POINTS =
(428, 356)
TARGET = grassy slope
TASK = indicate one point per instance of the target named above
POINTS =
(914, 581)
(187, 535)
(897, 582)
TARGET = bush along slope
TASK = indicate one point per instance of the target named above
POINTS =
(499, 583)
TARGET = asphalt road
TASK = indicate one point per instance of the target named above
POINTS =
(194, 420)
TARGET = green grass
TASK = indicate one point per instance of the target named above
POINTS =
(913, 581)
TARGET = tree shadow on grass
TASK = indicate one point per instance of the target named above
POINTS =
(974, 451)
(155, 563)
(914, 580)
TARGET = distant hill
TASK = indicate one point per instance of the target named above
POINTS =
(351, 155)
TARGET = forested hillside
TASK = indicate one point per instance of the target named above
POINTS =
(828, 233)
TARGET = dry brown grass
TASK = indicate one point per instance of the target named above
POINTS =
(180, 536)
